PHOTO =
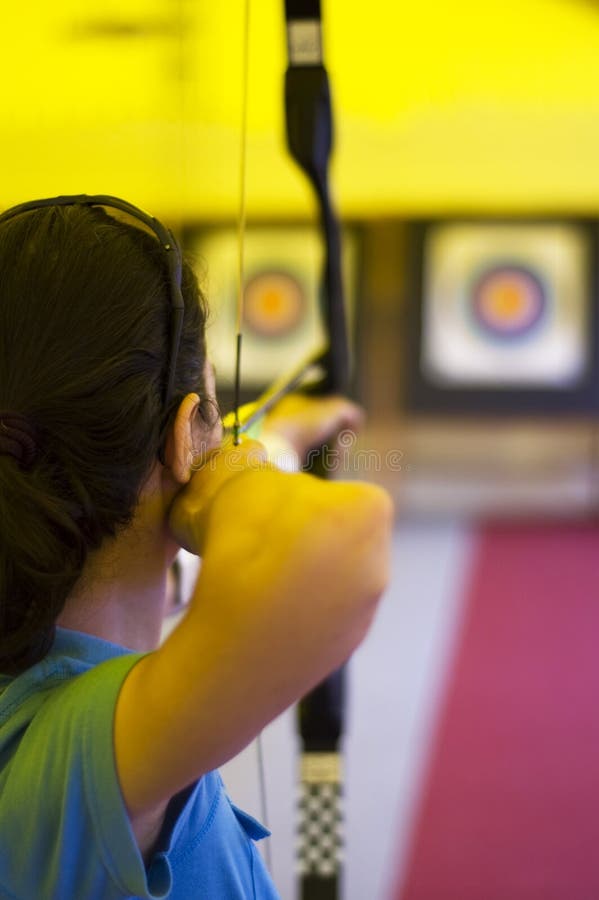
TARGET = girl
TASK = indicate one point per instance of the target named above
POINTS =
(111, 459)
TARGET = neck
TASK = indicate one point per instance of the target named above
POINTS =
(121, 594)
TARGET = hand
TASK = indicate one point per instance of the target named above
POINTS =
(188, 514)
(307, 422)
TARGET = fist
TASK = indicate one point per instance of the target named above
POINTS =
(188, 513)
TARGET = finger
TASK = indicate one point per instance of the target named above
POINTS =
(346, 412)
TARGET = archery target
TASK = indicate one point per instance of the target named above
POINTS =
(281, 321)
(505, 305)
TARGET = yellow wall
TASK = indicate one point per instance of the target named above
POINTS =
(440, 106)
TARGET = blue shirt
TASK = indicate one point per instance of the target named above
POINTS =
(64, 829)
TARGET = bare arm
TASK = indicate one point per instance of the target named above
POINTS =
(291, 574)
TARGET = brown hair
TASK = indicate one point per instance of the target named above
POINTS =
(84, 327)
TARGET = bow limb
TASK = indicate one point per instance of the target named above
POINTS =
(309, 123)
(309, 139)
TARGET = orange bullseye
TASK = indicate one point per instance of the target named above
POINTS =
(274, 304)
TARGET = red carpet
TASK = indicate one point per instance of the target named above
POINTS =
(510, 808)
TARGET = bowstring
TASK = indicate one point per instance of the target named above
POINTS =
(241, 228)
(241, 220)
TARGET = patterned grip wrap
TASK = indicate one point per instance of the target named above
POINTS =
(320, 823)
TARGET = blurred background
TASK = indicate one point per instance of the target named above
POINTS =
(466, 174)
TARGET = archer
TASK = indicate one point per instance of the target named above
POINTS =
(110, 460)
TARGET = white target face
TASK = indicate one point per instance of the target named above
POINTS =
(506, 305)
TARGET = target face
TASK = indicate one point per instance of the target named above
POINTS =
(274, 304)
(508, 301)
(281, 316)
(506, 305)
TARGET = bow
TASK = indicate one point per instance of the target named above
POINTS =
(309, 140)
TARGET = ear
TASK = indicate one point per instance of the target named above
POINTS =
(178, 453)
